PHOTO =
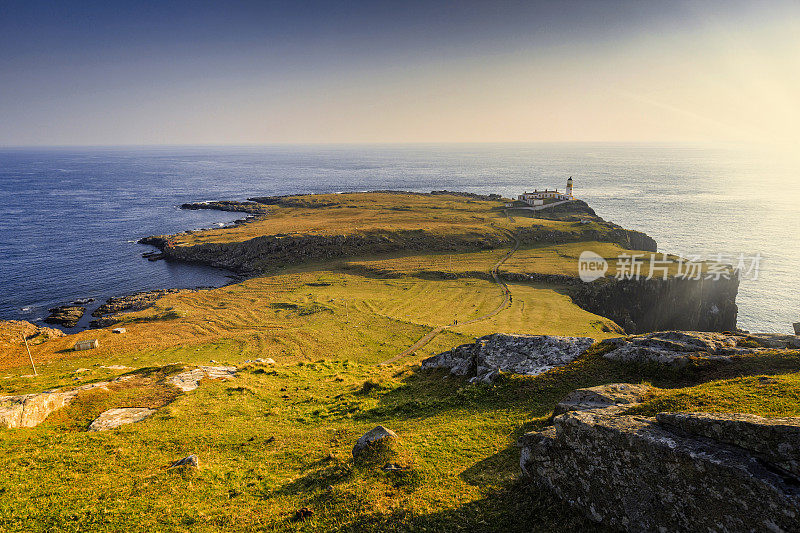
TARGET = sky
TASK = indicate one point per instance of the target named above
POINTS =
(239, 72)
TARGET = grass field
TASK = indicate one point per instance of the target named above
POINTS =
(358, 213)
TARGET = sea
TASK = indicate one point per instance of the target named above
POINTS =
(70, 217)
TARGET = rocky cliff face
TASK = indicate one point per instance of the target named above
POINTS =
(674, 472)
(261, 253)
(629, 239)
(651, 305)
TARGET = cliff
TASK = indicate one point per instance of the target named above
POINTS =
(652, 305)
(270, 251)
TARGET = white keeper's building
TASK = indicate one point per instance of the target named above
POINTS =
(538, 197)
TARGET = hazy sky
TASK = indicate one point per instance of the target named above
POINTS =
(265, 72)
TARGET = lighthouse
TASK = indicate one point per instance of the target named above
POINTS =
(569, 187)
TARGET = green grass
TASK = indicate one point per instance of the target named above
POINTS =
(278, 438)
(770, 396)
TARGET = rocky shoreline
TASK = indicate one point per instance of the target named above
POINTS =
(250, 207)
(66, 316)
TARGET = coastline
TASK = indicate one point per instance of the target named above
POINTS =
(636, 306)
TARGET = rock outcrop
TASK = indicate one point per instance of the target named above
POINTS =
(190, 380)
(30, 410)
(772, 440)
(188, 461)
(677, 347)
(67, 316)
(123, 304)
(675, 472)
(119, 417)
(530, 355)
(12, 333)
(262, 253)
(252, 208)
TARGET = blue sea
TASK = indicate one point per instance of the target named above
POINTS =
(70, 217)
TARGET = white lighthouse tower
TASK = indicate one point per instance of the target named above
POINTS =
(569, 188)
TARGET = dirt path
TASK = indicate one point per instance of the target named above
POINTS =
(435, 331)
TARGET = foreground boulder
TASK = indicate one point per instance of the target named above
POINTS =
(688, 472)
(529, 355)
(677, 347)
(376, 443)
(119, 417)
(772, 440)
(190, 461)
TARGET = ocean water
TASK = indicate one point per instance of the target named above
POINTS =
(69, 217)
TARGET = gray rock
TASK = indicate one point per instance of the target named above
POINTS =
(529, 355)
(796, 326)
(602, 396)
(190, 461)
(119, 417)
(379, 433)
(460, 360)
(773, 440)
(676, 347)
(633, 473)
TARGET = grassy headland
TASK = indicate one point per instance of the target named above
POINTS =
(339, 285)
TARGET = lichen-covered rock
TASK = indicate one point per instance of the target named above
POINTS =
(529, 355)
(773, 440)
(460, 361)
(632, 473)
(676, 347)
(377, 435)
(601, 396)
(190, 380)
(119, 417)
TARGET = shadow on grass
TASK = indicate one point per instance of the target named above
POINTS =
(517, 506)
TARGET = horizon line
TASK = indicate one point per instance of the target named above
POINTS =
(378, 143)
